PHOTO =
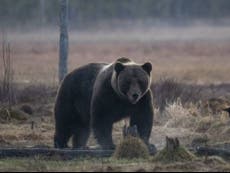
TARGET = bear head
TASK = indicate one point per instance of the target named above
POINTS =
(130, 80)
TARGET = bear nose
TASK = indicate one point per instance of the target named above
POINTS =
(135, 96)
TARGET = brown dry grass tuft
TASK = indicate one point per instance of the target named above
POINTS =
(189, 61)
(204, 124)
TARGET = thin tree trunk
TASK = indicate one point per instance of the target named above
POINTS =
(63, 54)
(42, 13)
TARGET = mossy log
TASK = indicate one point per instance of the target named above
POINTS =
(59, 153)
(207, 151)
(227, 110)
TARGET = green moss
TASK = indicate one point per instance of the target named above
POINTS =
(7, 115)
(19, 115)
(40, 164)
(131, 148)
(180, 154)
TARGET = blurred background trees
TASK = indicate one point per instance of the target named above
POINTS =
(85, 12)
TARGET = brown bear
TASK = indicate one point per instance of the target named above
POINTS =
(97, 95)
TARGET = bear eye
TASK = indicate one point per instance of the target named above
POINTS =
(143, 85)
(124, 87)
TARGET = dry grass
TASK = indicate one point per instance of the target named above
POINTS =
(20, 135)
(204, 124)
(190, 61)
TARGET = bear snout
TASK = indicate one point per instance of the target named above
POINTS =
(135, 96)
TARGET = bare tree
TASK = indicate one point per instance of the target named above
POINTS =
(6, 84)
(63, 49)
(42, 12)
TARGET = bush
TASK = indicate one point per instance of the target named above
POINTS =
(168, 91)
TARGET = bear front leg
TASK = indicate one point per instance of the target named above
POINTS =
(144, 125)
(102, 119)
(142, 117)
(103, 134)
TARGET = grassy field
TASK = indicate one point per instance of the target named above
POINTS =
(111, 165)
(191, 63)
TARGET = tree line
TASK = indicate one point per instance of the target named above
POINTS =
(86, 11)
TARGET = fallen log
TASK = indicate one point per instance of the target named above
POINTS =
(227, 110)
(65, 154)
(207, 151)
(59, 153)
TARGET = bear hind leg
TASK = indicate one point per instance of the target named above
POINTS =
(103, 135)
(80, 137)
(61, 138)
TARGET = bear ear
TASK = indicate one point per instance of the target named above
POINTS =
(147, 67)
(119, 67)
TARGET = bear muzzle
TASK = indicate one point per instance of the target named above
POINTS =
(134, 98)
